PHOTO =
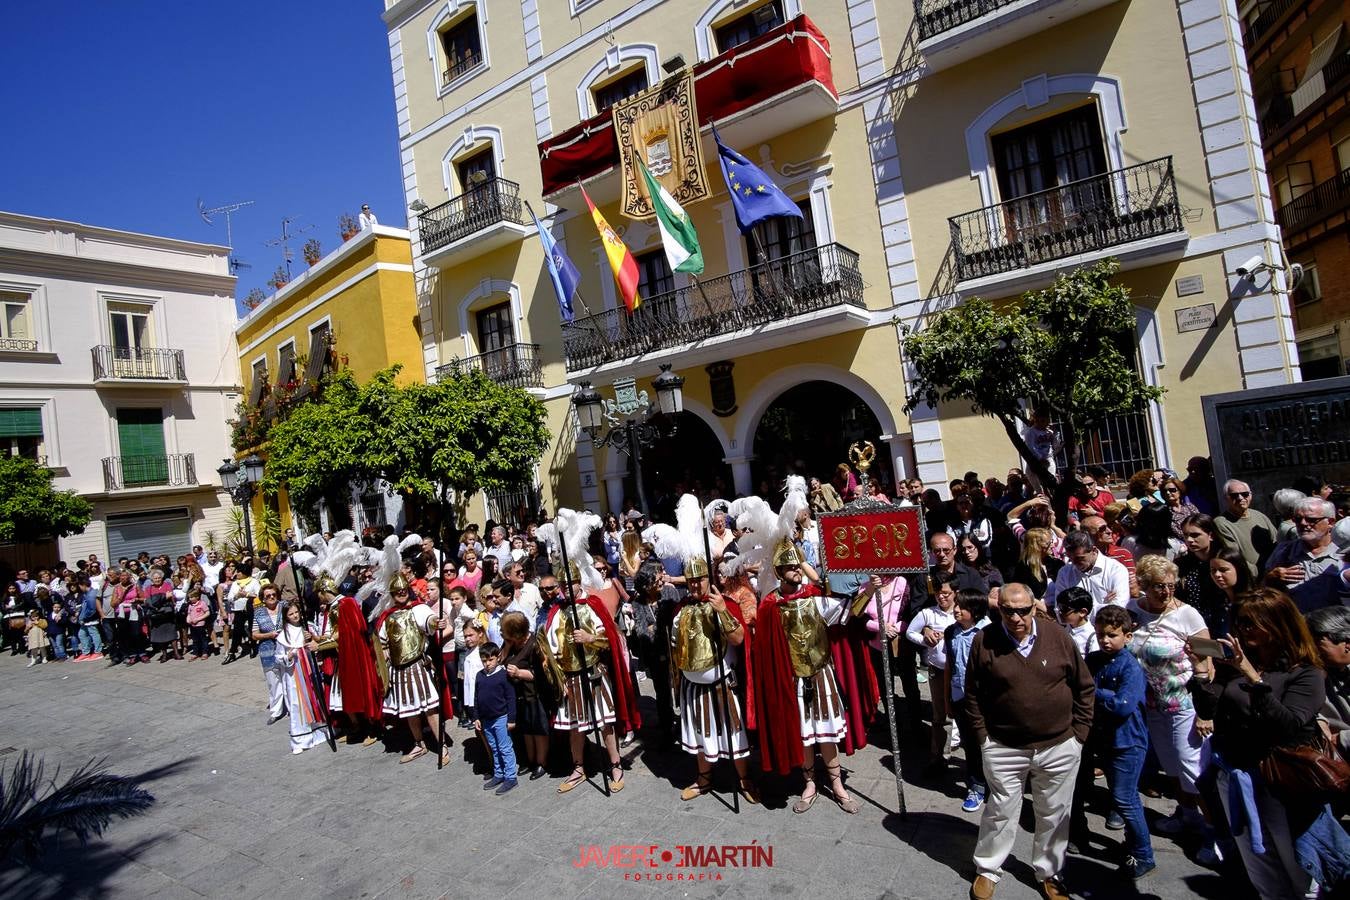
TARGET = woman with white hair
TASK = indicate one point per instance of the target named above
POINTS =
(1330, 629)
(1285, 501)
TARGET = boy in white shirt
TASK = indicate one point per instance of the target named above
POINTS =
(926, 630)
(1074, 606)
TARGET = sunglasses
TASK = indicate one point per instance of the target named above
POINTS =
(1018, 612)
(1170, 490)
(1308, 520)
(1238, 495)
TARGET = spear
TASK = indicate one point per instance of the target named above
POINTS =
(570, 599)
(440, 659)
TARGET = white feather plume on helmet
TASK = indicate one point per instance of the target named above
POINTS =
(387, 568)
(572, 530)
(333, 559)
(689, 522)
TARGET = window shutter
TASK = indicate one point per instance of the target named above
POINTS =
(21, 423)
(318, 355)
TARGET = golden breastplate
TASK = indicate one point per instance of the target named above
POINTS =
(567, 648)
(406, 641)
(693, 648)
(808, 644)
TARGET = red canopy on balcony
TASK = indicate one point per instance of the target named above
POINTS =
(775, 62)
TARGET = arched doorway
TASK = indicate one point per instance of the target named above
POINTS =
(807, 431)
(689, 462)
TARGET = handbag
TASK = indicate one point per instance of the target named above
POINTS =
(1310, 772)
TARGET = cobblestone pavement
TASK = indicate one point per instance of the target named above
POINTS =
(238, 816)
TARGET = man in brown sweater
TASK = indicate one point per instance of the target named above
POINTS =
(1029, 697)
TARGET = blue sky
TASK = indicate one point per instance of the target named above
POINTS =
(124, 113)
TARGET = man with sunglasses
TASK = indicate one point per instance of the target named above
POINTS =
(1029, 698)
(1312, 553)
(1246, 530)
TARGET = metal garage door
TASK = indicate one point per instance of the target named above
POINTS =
(161, 531)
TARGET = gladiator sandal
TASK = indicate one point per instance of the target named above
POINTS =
(577, 777)
(616, 784)
(805, 803)
(748, 791)
(846, 803)
(701, 786)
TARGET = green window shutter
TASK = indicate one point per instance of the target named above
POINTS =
(140, 437)
(23, 422)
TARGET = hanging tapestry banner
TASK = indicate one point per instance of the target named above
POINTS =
(660, 126)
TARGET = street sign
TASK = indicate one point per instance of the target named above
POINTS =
(869, 538)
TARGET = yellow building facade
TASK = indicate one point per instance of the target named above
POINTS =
(354, 309)
(938, 150)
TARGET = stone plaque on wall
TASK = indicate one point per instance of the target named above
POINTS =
(1267, 437)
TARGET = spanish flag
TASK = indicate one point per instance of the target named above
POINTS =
(620, 258)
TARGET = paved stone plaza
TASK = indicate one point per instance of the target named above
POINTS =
(238, 816)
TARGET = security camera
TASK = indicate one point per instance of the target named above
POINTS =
(1251, 267)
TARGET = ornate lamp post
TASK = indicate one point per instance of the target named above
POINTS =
(632, 419)
(240, 482)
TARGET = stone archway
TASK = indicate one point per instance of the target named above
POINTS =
(693, 461)
(807, 430)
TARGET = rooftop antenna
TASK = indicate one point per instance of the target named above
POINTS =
(284, 241)
(235, 262)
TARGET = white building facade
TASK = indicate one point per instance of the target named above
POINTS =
(118, 370)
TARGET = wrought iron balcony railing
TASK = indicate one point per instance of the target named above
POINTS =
(937, 16)
(18, 344)
(462, 66)
(114, 363)
(803, 282)
(495, 200)
(515, 365)
(169, 470)
(1080, 217)
(1328, 198)
(1274, 10)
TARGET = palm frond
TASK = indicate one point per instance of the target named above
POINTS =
(84, 805)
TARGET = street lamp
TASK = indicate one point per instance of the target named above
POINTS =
(239, 482)
(634, 422)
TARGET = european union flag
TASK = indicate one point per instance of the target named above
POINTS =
(561, 271)
(754, 196)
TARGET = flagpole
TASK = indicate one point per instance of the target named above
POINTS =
(576, 292)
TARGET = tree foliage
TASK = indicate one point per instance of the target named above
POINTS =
(466, 432)
(31, 508)
(1067, 349)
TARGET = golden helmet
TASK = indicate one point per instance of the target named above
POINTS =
(398, 583)
(786, 554)
(570, 575)
(696, 567)
(325, 585)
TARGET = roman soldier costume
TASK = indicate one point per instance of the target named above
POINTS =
(707, 689)
(404, 631)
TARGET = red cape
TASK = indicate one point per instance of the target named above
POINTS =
(780, 736)
(857, 681)
(746, 648)
(626, 715)
(357, 677)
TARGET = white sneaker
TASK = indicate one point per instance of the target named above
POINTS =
(31, 662)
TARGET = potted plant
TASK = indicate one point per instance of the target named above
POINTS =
(347, 226)
(279, 278)
(313, 251)
(254, 299)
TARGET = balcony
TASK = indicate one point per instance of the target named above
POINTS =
(125, 473)
(1274, 11)
(17, 345)
(122, 365)
(515, 365)
(791, 299)
(768, 86)
(953, 31)
(1116, 209)
(483, 218)
(461, 67)
(1321, 202)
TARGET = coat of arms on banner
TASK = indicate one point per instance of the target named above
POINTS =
(660, 127)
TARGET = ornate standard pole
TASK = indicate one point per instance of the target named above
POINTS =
(722, 709)
(570, 599)
(861, 456)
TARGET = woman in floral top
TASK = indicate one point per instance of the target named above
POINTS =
(1165, 624)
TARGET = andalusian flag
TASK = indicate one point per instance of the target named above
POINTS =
(677, 230)
(620, 258)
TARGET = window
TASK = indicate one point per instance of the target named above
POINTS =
(463, 48)
(317, 363)
(21, 433)
(1052, 153)
(140, 439)
(1341, 152)
(749, 26)
(259, 385)
(130, 330)
(1309, 287)
(654, 277)
(1320, 357)
(477, 169)
(286, 363)
(16, 328)
(1300, 177)
(372, 510)
(782, 236)
(621, 88)
(494, 328)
